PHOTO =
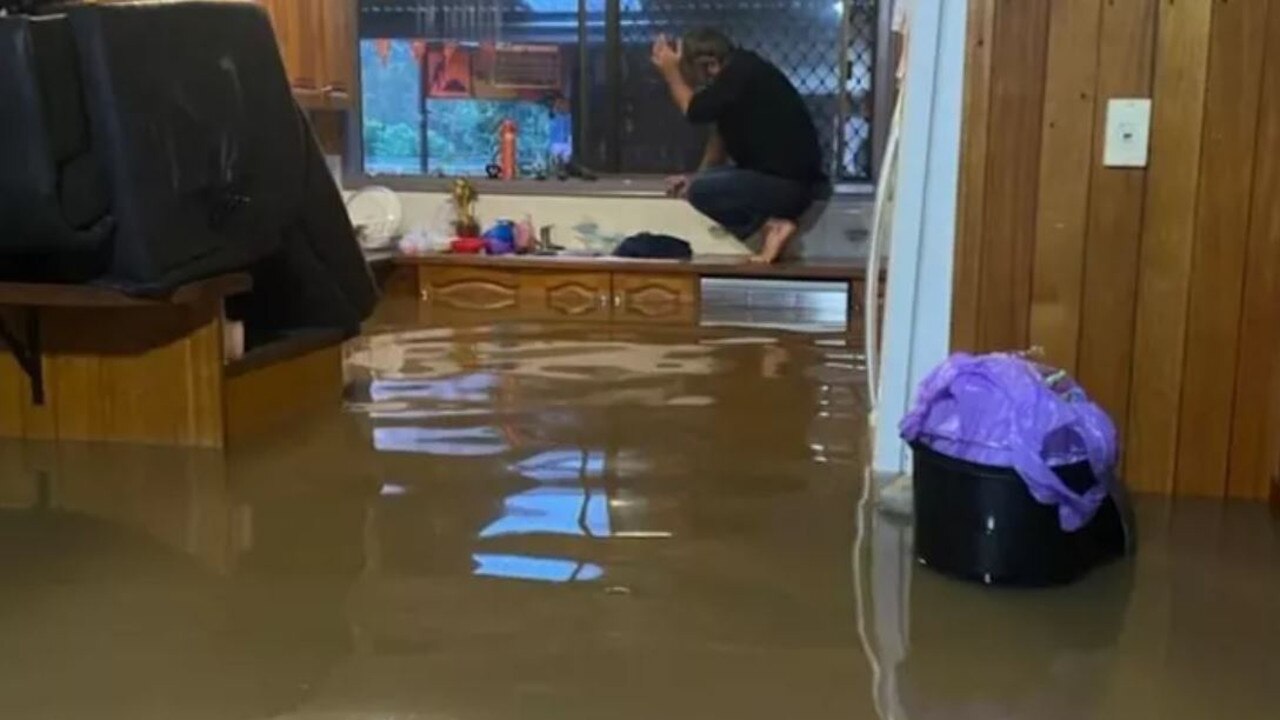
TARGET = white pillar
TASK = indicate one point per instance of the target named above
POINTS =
(917, 323)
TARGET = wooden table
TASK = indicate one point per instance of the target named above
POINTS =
(80, 362)
(602, 289)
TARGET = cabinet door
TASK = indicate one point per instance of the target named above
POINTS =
(299, 32)
(338, 19)
(566, 296)
(668, 299)
(466, 288)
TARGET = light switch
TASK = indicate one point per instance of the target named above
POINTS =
(1128, 139)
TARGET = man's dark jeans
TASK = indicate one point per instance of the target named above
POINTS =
(742, 200)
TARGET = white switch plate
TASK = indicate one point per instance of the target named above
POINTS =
(1128, 133)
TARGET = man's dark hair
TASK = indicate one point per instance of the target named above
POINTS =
(706, 43)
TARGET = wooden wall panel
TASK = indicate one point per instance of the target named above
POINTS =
(973, 166)
(1108, 298)
(1218, 255)
(1255, 426)
(1071, 78)
(1164, 268)
(1158, 286)
(1018, 53)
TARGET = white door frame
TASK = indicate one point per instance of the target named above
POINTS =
(917, 320)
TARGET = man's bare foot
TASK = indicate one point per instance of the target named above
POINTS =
(777, 233)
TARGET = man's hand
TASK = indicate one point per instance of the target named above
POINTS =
(678, 186)
(666, 56)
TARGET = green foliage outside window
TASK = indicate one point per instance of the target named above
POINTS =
(392, 116)
(462, 135)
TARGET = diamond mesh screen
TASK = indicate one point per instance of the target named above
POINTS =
(804, 38)
(623, 120)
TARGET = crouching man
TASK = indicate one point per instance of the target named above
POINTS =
(763, 165)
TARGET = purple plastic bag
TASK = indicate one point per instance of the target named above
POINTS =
(1005, 411)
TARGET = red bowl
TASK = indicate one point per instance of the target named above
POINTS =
(467, 246)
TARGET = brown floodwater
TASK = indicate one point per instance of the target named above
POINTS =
(508, 520)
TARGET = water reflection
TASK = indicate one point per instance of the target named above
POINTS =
(537, 569)
(642, 525)
(463, 388)
(464, 442)
(392, 490)
(946, 649)
(555, 511)
(151, 583)
(403, 366)
(562, 465)
(1132, 639)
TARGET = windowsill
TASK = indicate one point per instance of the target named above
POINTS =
(610, 187)
(614, 186)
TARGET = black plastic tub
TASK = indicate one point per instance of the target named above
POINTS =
(980, 523)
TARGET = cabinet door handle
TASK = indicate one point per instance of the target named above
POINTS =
(603, 299)
(617, 300)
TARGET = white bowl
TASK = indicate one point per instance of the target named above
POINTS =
(376, 211)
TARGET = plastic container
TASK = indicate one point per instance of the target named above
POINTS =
(467, 246)
(979, 523)
(507, 139)
(501, 238)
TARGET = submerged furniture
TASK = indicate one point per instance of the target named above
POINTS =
(598, 289)
(979, 523)
(157, 179)
(93, 364)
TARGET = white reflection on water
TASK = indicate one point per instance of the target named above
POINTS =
(469, 441)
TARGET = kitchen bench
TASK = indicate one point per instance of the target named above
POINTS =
(89, 363)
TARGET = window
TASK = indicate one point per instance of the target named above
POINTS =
(442, 79)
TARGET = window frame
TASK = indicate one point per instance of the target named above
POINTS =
(619, 185)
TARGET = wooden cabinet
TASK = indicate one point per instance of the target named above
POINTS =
(298, 33)
(570, 295)
(338, 21)
(318, 45)
(317, 42)
(655, 298)
(463, 288)
(567, 296)
(590, 289)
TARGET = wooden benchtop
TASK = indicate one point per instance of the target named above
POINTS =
(725, 266)
(53, 295)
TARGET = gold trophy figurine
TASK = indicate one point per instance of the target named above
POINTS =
(464, 199)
